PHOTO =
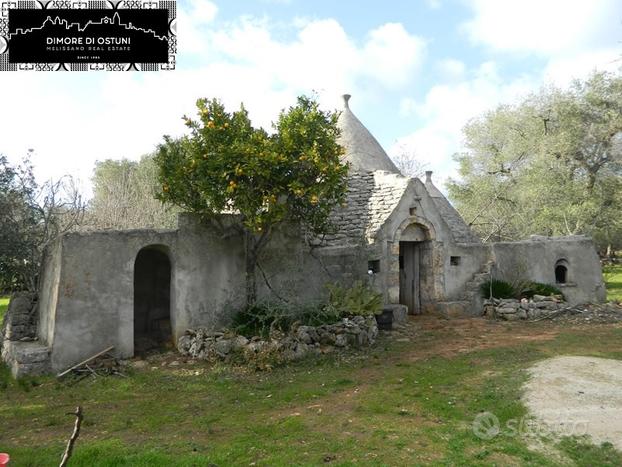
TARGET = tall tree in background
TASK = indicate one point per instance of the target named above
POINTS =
(31, 216)
(551, 165)
(407, 162)
(124, 196)
(227, 165)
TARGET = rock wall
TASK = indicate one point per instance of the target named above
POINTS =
(300, 342)
(513, 310)
(21, 350)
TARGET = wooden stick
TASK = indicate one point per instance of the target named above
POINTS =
(98, 354)
(74, 436)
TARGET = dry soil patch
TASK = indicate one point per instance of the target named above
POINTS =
(578, 395)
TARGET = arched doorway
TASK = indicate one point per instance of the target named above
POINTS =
(413, 258)
(152, 299)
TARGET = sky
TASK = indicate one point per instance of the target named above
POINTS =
(417, 71)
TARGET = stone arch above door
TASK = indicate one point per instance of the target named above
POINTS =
(413, 229)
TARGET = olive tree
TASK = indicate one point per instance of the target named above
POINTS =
(550, 165)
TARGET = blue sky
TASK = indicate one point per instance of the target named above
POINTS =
(417, 71)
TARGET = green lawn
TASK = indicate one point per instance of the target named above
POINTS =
(401, 403)
(4, 304)
(613, 282)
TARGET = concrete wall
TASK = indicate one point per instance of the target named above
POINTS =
(87, 293)
(535, 260)
(87, 287)
(472, 259)
(48, 291)
(95, 307)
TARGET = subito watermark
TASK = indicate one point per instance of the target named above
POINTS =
(487, 426)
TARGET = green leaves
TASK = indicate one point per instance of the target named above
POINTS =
(548, 165)
(226, 164)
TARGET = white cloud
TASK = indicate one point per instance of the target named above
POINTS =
(573, 37)
(192, 21)
(391, 54)
(543, 27)
(74, 119)
(451, 68)
(448, 107)
(561, 70)
(434, 4)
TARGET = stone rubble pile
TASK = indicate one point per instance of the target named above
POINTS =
(355, 332)
(511, 309)
(20, 348)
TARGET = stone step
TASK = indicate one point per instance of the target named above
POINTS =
(26, 358)
(400, 312)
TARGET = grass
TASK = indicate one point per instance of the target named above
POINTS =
(613, 281)
(4, 304)
(402, 403)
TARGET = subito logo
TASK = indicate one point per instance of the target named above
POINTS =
(486, 425)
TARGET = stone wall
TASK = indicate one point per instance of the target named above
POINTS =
(513, 310)
(87, 290)
(535, 259)
(19, 345)
(300, 342)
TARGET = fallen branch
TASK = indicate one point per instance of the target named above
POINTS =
(88, 360)
(74, 437)
(555, 314)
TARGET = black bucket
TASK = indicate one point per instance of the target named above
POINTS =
(385, 320)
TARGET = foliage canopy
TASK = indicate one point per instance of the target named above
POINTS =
(225, 165)
(31, 217)
(550, 165)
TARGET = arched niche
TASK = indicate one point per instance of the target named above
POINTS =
(152, 298)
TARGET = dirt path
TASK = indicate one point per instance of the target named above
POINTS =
(578, 395)
(433, 336)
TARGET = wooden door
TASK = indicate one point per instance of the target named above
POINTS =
(409, 276)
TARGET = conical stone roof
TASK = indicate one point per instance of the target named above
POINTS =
(363, 151)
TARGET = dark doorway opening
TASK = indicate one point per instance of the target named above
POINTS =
(410, 272)
(561, 273)
(152, 300)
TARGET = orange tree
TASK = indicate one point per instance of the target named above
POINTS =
(225, 165)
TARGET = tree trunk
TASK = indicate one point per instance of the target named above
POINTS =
(250, 248)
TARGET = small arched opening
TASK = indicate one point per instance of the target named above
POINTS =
(561, 271)
(152, 299)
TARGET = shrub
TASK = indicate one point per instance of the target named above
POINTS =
(500, 289)
(537, 288)
(261, 318)
(358, 300)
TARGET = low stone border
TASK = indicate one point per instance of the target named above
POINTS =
(19, 346)
(303, 340)
(511, 309)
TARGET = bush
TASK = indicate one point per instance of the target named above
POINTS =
(260, 319)
(358, 300)
(500, 289)
(537, 288)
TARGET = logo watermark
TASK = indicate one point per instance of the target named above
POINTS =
(487, 426)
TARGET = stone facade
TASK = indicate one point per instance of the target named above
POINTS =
(18, 337)
(534, 308)
(301, 341)
(87, 299)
